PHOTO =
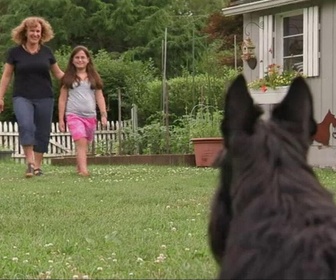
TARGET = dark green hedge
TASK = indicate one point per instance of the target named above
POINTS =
(140, 84)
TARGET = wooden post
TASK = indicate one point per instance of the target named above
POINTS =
(165, 93)
(119, 121)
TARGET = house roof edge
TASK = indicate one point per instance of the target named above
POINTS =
(257, 6)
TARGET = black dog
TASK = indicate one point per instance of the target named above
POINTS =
(271, 218)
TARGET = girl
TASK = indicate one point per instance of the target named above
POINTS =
(80, 92)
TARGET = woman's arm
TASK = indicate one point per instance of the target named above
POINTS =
(5, 80)
(56, 71)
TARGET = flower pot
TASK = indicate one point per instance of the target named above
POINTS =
(207, 150)
(271, 96)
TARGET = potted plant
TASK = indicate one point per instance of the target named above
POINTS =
(272, 88)
(205, 134)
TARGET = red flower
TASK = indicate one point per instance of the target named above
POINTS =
(263, 88)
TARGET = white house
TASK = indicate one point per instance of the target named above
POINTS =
(298, 34)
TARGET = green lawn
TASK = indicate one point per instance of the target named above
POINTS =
(123, 222)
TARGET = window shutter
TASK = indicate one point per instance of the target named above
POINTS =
(265, 43)
(311, 41)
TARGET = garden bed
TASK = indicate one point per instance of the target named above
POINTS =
(174, 159)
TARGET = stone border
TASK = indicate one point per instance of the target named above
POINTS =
(174, 159)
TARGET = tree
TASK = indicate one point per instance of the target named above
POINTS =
(130, 27)
(131, 31)
(222, 30)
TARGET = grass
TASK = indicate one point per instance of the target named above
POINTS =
(123, 222)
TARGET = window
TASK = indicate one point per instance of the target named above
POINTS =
(291, 40)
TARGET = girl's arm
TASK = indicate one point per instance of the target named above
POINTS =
(102, 106)
(62, 100)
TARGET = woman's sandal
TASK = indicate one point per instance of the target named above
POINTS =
(38, 172)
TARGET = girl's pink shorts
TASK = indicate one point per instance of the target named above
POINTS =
(81, 127)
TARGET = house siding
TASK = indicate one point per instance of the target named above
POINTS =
(324, 86)
(252, 30)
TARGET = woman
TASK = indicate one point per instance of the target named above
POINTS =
(31, 62)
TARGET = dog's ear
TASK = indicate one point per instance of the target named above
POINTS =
(297, 108)
(239, 113)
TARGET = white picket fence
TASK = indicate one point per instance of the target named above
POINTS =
(61, 143)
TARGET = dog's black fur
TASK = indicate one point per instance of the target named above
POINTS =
(271, 218)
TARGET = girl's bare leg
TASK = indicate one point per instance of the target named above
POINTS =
(81, 148)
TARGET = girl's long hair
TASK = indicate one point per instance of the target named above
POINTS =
(70, 75)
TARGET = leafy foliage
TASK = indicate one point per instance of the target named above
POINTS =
(184, 93)
(222, 30)
(155, 138)
(126, 40)
(136, 27)
(274, 77)
(206, 121)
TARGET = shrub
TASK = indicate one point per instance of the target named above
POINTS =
(184, 93)
(203, 121)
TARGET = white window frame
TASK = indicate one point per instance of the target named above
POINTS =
(311, 28)
(266, 35)
(279, 35)
(271, 40)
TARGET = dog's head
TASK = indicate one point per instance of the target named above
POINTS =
(269, 199)
(258, 149)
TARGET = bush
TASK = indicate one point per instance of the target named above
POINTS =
(203, 121)
(140, 84)
(206, 122)
(184, 93)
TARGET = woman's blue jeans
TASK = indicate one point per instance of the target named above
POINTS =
(34, 118)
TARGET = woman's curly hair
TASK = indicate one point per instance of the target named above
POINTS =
(19, 32)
